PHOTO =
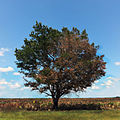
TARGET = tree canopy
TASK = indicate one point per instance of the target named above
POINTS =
(59, 61)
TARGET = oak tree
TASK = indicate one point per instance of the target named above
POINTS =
(57, 62)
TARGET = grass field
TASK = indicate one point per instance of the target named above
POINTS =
(61, 115)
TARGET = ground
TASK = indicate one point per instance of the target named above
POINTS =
(62, 115)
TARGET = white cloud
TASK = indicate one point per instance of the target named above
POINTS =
(117, 63)
(12, 80)
(107, 86)
(102, 84)
(25, 88)
(109, 77)
(11, 85)
(96, 81)
(16, 73)
(16, 85)
(95, 87)
(3, 82)
(6, 69)
(114, 79)
(1, 53)
(2, 87)
(107, 83)
(3, 50)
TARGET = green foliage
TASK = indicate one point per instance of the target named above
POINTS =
(59, 61)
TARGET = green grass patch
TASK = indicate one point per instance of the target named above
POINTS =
(61, 115)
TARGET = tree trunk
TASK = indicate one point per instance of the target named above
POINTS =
(55, 103)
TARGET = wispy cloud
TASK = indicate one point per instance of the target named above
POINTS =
(3, 50)
(96, 81)
(8, 69)
(3, 82)
(114, 79)
(10, 84)
(107, 83)
(16, 85)
(25, 88)
(2, 87)
(95, 87)
(117, 63)
(16, 73)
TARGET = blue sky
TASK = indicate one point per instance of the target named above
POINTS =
(101, 19)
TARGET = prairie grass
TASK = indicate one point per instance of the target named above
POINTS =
(62, 115)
